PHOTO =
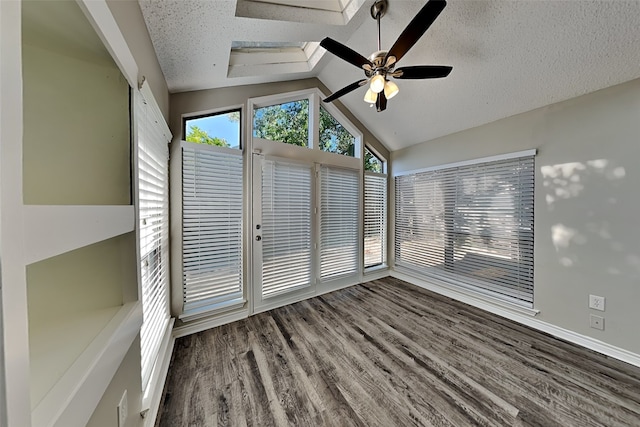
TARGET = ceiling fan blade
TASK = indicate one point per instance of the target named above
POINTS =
(345, 90)
(381, 102)
(422, 72)
(416, 28)
(345, 53)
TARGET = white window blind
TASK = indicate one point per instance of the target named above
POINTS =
(375, 210)
(153, 205)
(211, 226)
(286, 226)
(339, 200)
(471, 225)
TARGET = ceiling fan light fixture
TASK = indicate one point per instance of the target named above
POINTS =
(370, 97)
(377, 83)
(390, 89)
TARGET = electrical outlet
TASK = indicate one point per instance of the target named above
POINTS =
(596, 302)
(596, 322)
(123, 410)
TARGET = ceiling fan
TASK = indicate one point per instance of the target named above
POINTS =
(380, 65)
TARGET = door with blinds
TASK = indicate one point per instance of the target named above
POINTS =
(283, 243)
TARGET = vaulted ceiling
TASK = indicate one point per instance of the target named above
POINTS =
(508, 57)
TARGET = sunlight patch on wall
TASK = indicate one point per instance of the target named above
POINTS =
(567, 180)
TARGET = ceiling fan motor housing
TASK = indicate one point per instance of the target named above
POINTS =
(378, 60)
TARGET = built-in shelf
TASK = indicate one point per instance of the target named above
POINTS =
(54, 230)
(69, 375)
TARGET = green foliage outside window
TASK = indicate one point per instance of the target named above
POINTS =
(288, 123)
(334, 138)
(371, 162)
(199, 136)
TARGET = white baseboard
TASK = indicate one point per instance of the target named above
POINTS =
(375, 275)
(526, 319)
(204, 324)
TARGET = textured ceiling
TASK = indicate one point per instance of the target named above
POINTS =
(507, 56)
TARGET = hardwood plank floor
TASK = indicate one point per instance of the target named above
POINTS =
(387, 353)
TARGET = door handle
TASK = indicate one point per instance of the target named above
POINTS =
(258, 238)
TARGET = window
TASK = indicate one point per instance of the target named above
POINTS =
(212, 218)
(153, 205)
(299, 118)
(375, 224)
(339, 190)
(288, 123)
(471, 225)
(371, 162)
(334, 138)
(219, 129)
(375, 210)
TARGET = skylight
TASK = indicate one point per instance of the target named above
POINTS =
(331, 12)
(251, 58)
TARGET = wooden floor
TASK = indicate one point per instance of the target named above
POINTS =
(390, 354)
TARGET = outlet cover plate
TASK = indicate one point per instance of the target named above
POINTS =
(123, 410)
(596, 302)
(596, 322)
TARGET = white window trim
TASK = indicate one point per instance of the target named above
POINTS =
(506, 156)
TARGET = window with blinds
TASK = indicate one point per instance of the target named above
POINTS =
(339, 199)
(375, 208)
(471, 225)
(286, 226)
(211, 226)
(153, 209)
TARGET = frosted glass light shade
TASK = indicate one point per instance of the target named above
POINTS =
(370, 96)
(377, 83)
(390, 89)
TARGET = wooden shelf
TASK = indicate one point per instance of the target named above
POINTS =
(73, 360)
(54, 230)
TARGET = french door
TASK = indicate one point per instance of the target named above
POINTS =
(283, 223)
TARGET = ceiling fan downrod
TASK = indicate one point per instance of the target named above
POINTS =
(378, 9)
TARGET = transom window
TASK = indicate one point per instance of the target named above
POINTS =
(218, 129)
(287, 122)
(334, 138)
(300, 119)
(371, 162)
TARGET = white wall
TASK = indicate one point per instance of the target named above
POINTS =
(587, 240)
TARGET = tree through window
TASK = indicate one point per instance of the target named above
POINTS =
(334, 138)
(219, 129)
(288, 123)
